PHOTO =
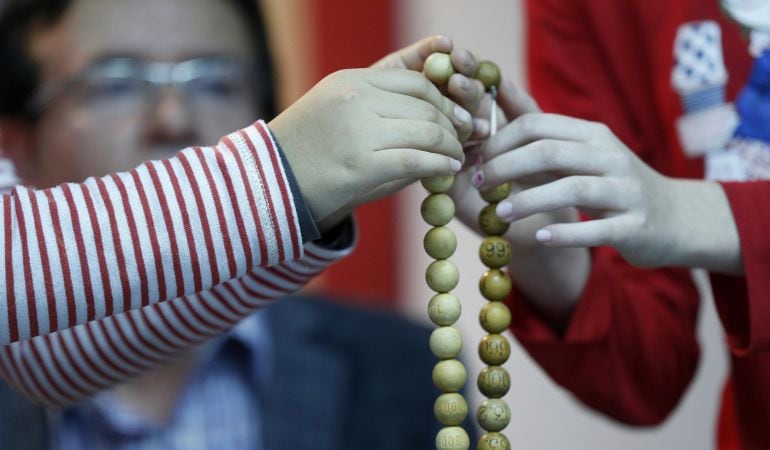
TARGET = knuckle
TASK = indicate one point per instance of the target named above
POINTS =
(527, 122)
(548, 153)
(435, 136)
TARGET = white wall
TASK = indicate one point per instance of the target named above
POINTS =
(544, 417)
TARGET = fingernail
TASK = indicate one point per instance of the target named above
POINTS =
(504, 209)
(543, 236)
(478, 179)
(462, 115)
(481, 127)
(455, 165)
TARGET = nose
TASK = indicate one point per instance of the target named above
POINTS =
(171, 120)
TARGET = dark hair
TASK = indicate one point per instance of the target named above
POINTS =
(19, 74)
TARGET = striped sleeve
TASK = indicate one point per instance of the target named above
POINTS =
(81, 252)
(64, 367)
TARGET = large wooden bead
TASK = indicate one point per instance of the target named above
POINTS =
(495, 285)
(494, 381)
(446, 342)
(438, 68)
(444, 309)
(490, 224)
(450, 409)
(438, 184)
(440, 243)
(493, 441)
(495, 317)
(495, 252)
(497, 193)
(493, 414)
(438, 209)
(442, 276)
(452, 438)
(494, 349)
(449, 375)
(488, 73)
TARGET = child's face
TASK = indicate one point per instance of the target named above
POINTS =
(101, 115)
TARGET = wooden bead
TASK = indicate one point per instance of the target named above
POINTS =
(495, 285)
(494, 349)
(452, 438)
(438, 209)
(446, 342)
(493, 441)
(493, 414)
(450, 409)
(495, 317)
(438, 184)
(444, 309)
(442, 276)
(490, 224)
(438, 68)
(494, 381)
(449, 375)
(440, 243)
(497, 193)
(488, 73)
(495, 252)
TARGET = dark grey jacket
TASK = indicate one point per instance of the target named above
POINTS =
(344, 379)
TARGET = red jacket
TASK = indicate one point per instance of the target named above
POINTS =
(630, 350)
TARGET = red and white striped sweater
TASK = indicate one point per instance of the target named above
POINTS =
(106, 279)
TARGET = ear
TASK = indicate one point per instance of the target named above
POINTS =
(17, 144)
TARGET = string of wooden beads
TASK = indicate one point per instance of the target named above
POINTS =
(494, 381)
(444, 309)
(449, 374)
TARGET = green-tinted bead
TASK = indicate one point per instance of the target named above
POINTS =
(495, 252)
(488, 73)
(444, 309)
(450, 409)
(438, 209)
(493, 441)
(452, 438)
(494, 349)
(446, 342)
(438, 68)
(494, 381)
(449, 375)
(438, 184)
(490, 224)
(493, 414)
(497, 193)
(495, 317)
(495, 285)
(440, 243)
(442, 276)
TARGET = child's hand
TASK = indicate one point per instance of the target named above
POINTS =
(364, 129)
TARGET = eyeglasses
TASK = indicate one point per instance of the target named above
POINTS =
(127, 85)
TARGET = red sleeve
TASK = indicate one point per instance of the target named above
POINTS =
(630, 350)
(743, 303)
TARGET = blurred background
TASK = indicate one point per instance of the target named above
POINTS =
(314, 38)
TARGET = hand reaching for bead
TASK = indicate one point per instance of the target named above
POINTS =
(361, 129)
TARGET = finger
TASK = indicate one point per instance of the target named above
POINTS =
(413, 57)
(420, 135)
(406, 107)
(577, 191)
(533, 127)
(410, 164)
(467, 92)
(515, 101)
(539, 157)
(592, 233)
(464, 62)
(416, 85)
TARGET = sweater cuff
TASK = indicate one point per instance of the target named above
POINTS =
(590, 321)
(307, 225)
(742, 302)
